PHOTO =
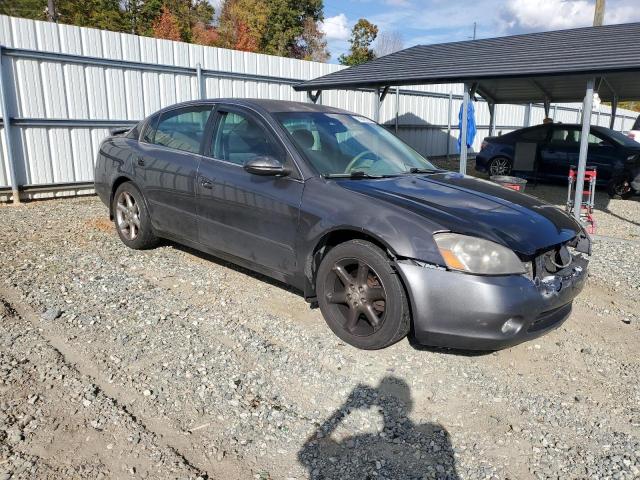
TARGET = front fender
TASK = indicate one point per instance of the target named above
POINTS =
(327, 207)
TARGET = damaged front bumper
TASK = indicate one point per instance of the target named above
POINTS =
(459, 310)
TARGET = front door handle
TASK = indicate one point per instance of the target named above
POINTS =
(141, 161)
(206, 182)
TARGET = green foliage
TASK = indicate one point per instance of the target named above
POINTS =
(630, 106)
(362, 36)
(103, 14)
(286, 24)
(35, 9)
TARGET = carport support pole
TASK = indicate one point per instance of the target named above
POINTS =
(614, 110)
(463, 130)
(201, 88)
(584, 147)
(492, 119)
(6, 123)
(397, 107)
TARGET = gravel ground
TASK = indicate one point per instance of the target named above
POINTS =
(171, 364)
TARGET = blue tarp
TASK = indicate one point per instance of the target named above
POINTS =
(471, 125)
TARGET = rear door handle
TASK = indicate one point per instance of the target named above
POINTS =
(141, 161)
(206, 182)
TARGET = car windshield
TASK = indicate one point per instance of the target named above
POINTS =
(617, 137)
(343, 144)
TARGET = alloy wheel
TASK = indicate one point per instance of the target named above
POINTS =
(128, 215)
(359, 296)
(499, 166)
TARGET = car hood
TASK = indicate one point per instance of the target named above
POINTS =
(475, 207)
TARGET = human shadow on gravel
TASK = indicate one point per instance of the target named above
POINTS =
(402, 450)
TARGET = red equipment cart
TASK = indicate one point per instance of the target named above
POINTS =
(588, 196)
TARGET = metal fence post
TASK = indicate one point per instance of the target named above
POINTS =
(6, 121)
(449, 108)
(202, 88)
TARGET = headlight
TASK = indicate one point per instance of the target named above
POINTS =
(475, 255)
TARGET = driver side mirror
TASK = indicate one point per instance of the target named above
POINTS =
(266, 166)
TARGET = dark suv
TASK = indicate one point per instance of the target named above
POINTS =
(616, 156)
(335, 205)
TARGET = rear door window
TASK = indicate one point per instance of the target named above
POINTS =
(536, 135)
(182, 128)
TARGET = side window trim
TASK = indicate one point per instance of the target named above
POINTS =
(151, 123)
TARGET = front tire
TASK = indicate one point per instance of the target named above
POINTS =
(619, 188)
(131, 217)
(361, 296)
(499, 166)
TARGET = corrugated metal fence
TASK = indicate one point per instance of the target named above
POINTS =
(65, 86)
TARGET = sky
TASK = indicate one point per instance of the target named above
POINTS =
(437, 21)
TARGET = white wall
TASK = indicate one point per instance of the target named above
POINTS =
(56, 90)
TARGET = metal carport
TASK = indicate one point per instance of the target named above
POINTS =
(561, 66)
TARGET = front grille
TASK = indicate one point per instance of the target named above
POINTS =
(549, 318)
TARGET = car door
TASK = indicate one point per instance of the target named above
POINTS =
(167, 166)
(249, 216)
(556, 153)
(602, 154)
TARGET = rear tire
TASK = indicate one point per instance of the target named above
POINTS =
(499, 166)
(132, 219)
(361, 296)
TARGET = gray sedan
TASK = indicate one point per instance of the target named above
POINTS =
(338, 207)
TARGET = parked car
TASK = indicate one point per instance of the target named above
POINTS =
(634, 133)
(338, 207)
(615, 155)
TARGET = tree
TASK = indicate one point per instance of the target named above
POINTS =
(204, 35)
(630, 106)
(362, 36)
(388, 42)
(286, 25)
(242, 23)
(35, 9)
(166, 26)
(311, 45)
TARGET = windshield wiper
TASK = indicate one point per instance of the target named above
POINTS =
(424, 170)
(356, 174)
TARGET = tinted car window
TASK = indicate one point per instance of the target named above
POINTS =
(636, 125)
(239, 138)
(565, 135)
(538, 134)
(182, 129)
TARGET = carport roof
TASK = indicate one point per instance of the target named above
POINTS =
(549, 66)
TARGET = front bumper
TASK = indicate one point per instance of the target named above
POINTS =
(473, 312)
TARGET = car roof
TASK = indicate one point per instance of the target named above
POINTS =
(269, 106)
